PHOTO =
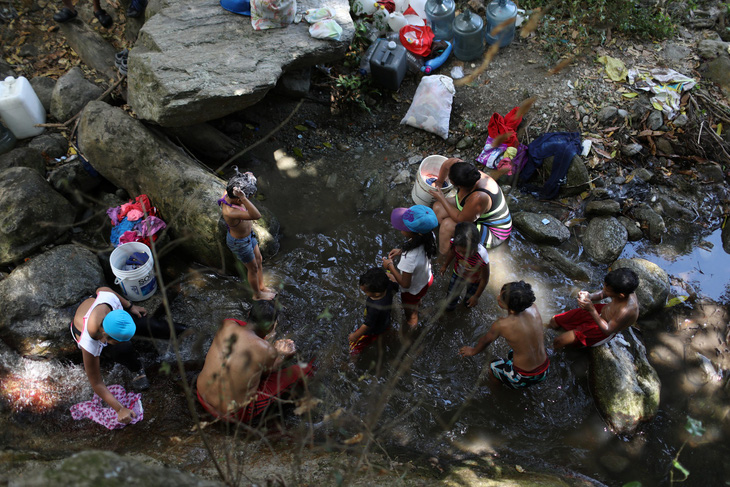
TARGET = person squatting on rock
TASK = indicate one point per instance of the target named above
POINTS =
(479, 199)
(413, 273)
(527, 363)
(109, 319)
(592, 325)
(243, 373)
(239, 213)
(379, 290)
(471, 266)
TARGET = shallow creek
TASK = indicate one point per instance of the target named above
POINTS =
(329, 238)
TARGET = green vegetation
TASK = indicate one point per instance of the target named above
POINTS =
(352, 89)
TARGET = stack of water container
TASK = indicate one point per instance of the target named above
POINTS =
(21, 112)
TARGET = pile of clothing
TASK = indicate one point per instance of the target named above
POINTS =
(135, 221)
(509, 155)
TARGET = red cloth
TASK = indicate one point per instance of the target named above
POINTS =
(358, 346)
(501, 125)
(141, 203)
(583, 325)
(271, 386)
(421, 38)
(413, 299)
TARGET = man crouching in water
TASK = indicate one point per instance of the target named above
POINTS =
(242, 374)
(527, 363)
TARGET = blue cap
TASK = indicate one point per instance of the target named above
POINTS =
(119, 325)
(417, 219)
(242, 7)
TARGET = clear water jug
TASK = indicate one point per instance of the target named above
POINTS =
(20, 107)
(498, 12)
(441, 15)
(468, 36)
(7, 139)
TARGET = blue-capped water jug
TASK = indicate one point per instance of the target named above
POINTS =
(468, 36)
(441, 15)
(499, 12)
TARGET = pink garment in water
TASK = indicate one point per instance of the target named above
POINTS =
(97, 411)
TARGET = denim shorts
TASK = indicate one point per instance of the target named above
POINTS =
(243, 247)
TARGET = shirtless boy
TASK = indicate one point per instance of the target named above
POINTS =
(242, 374)
(592, 325)
(239, 214)
(527, 362)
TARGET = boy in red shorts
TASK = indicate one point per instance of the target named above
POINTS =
(592, 325)
(379, 290)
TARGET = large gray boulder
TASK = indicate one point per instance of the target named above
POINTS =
(24, 157)
(71, 93)
(576, 179)
(38, 299)
(183, 191)
(653, 283)
(541, 228)
(32, 214)
(625, 386)
(94, 468)
(569, 266)
(604, 239)
(43, 87)
(194, 61)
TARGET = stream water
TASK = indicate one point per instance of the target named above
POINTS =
(334, 213)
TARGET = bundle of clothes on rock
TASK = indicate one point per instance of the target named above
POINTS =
(135, 221)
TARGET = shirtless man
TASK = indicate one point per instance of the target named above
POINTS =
(527, 362)
(239, 214)
(242, 374)
(592, 325)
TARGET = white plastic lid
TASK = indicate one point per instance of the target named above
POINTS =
(392, 45)
(10, 80)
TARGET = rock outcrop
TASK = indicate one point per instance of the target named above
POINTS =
(541, 228)
(604, 239)
(653, 283)
(195, 62)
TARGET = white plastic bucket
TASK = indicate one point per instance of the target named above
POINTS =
(137, 284)
(429, 167)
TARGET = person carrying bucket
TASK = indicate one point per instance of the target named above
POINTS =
(110, 319)
(239, 214)
(479, 199)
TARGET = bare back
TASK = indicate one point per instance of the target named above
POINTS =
(525, 335)
(236, 360)
(621, 314)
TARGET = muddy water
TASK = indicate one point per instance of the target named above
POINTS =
(334, 213)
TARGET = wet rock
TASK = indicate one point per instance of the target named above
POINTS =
(603, 208)
(73, 180)
(632, 228)
(37, 310)
(607, 113)
(32, 214)
(676, 206)
(52, 145)
(655, 120)
(625, 386)
(92, 468)
(681, 120)
(342, 147)
(541, 228)
(184, 192)
(641, 174)
(711, 49)
(717, 71)
(631, 149)
(651, 222)
(604, 239)
(465, 143)
(24, 157)
(663, 145)
(71, 93)
(711, 172)
(653, 284)
(43, 87)
(565, 263)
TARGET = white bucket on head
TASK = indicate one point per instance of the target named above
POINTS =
(137, 284)
(429, 168)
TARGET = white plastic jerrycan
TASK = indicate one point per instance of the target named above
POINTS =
(20, 107)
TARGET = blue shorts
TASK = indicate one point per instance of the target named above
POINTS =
(243, 247)
(518, 379)
(457, 284)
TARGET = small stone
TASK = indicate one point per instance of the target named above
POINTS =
(465, 143)
(414, 160)
(655, 120)
(631, 149)
(586, 120)
(619, 180)
(663, 145)
(642, 174)
(622, 113)
(681, 120)
(607, 113)
(331, 182)
(359, 149)
(28, 50)
(582, 110)
(452, 140)
(342, 147)
(574, 102)
(403, 177)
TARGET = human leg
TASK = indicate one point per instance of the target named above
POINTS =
(260, 267)
(453, 293)
(565, 339)
(446, 233)
(244, 250)
(67, 13)
(104, 19)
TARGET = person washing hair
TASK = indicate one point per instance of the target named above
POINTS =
(239, 214)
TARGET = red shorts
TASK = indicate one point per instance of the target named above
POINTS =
(414, 299)
(359, 345)
(583, 326)
(270, 387)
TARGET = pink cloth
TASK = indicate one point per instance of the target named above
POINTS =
(130, 236)
(96, 411)
(134, 215)
(150, 226)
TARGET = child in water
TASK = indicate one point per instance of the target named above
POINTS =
(239, 214)
(471, 266)
(378, 306)
(413, 273)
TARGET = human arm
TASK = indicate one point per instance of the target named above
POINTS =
(250, 212)
(444, 170)
(483, 342)
(355, 335)
(483, 281)
(93, 373)
(394, 253)
(127, 305)
(449, 259)
(402, 278)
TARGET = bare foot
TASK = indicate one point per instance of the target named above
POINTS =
(264, 296)
(267, 289)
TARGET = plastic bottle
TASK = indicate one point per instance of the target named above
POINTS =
(364, 7)
(499, 11)
(365, 59)
(435, 63)
(7, 140)
(396, 21)
(468, 36)
(441, 15)
(20, 107)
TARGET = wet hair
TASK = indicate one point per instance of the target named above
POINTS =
(466, 234)
(517, 295)
(263, 314)
(245, 182)
(427, 240)
(464, 175)
(375, 280)
(622, 281)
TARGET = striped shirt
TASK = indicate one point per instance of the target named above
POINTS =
(469, 268)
